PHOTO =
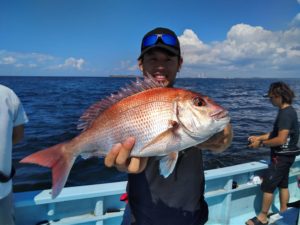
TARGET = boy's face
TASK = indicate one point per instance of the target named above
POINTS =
(275, 100)
(161, 65)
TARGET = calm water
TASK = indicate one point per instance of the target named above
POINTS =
(54, 104)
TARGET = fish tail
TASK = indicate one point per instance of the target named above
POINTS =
(55, 158)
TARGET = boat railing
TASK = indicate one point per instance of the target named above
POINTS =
(230, 193)
(233, 193)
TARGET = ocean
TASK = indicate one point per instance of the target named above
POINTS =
(54, 104)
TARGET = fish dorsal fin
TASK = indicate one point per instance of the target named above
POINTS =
(96, 109)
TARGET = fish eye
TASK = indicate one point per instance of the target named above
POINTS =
(199, 101)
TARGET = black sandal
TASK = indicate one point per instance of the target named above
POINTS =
(256, 221)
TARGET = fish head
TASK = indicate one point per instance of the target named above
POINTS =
(200, 116)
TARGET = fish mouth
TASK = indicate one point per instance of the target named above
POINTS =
(219, 114)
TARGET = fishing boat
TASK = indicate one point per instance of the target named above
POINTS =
(232, 193)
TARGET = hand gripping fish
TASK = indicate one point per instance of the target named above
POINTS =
(163, 121)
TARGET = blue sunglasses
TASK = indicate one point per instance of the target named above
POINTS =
(167, 39)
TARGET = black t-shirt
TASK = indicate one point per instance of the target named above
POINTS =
(286, 120)
(175, 200)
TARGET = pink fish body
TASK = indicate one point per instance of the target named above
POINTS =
(163, 120)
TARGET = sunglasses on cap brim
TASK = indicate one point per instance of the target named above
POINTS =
(167, 39)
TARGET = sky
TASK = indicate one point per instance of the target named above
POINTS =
(219, 38)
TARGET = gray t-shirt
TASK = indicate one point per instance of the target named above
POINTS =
(287, 120)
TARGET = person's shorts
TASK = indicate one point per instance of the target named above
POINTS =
(277, 174)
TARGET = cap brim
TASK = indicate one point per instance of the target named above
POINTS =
(161, 46)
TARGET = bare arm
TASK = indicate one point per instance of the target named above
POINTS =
(263, 140)
(18, 134)
(220, 141)
(259, 138)
(119, 157)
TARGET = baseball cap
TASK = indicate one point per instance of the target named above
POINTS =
(160, 37)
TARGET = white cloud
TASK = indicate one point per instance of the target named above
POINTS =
(247, 49)
(191, 41)
(32, 65)
(296, 21)
(72, 63)
(43, 62)
(127, 65)
(245, 33)
(19, 65)
(19, 59)
(8, 60)
(193, 49)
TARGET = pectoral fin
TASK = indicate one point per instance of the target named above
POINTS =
(167, 164)
(165, 141)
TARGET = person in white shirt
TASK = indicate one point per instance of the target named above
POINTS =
(12, 120)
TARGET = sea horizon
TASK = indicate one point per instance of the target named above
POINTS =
(54, 106)
(141, 76)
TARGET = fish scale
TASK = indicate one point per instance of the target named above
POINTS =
(163, 121)
(133, 123)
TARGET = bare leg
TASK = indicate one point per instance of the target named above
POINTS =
(266, 204)
(284, 197)
(265, 207)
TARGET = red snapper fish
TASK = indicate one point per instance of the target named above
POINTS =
(163, 121)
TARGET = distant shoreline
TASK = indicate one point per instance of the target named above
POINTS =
(136, 76)
(123, 76)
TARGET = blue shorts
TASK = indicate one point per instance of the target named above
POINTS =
(277, 174)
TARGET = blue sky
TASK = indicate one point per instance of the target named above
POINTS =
(232, 38)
